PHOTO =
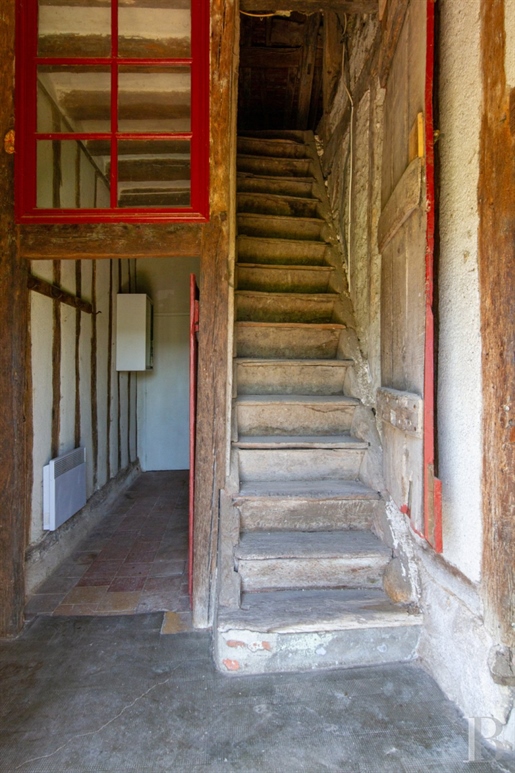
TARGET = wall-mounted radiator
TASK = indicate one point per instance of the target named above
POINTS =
(64, 488)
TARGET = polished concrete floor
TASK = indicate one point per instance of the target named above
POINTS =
(115, 695)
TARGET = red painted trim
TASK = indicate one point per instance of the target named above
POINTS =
(432, 510)
(194, 320)
(27, 62)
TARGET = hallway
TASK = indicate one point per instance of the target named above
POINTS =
(133, 562)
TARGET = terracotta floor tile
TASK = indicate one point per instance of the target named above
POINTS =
(95, 581)
(134, 569)
(114, 554)
(88, 595)
(173, 568)
(141, 556)
(99, 568)
(122, 584)
(119, 601)
(176, 622)
(75, 609)
(166, 584)
(85, 557)
(44, 603)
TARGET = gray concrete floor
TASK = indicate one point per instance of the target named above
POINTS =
(113, 694)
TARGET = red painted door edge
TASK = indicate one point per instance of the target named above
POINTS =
(194, 318)
(432, 486)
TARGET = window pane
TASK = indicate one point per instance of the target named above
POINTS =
(154, 99)
(154, 173)
(74, 29)
(74, 99)
(70, 177)
(154, 29)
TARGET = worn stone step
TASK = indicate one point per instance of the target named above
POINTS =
(284, 631)
(293, 279)
(274, 204)
(299, 377)
(298, 441)
(274, 167)
(294, 560)
(253, 249)
(284, 307)
(294, 414)
(287, 339)
(288, 186)
(307, 505)
(300, 464)
(297, 228)
(267, 146)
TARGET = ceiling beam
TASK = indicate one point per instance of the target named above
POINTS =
(309, 6)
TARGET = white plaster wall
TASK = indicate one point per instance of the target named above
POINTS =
(459, 357)
(163, 394)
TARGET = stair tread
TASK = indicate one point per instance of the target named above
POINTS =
(311, 489)
(273, 178)
(293, 362)
(316, 610)
(261, 294)
(286, 267)
(283, 325)
(299, 399)
(260, 546)
(343, 440)
(283, 218)
(272, 195)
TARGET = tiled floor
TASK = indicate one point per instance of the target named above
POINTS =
(134, 562)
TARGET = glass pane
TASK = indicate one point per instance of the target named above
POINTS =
(69, 176)
(154, 173)
(74, 99)
(154, 29)
(74, 28)
(154, 99)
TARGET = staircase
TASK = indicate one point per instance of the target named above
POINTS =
(301, 569)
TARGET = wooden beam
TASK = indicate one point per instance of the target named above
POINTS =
(310, 6)
(271, 57)
(307, 69)
(57, 294)
(110, 240)
(16, 413)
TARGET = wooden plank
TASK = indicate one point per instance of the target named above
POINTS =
(270, 57)
(58, 294)
(497, 291)
(214, 311)
(307, 69)
(332, 58)
(392, 22)
(401, 204)
(311, 6)
(16, 413)
(403, 410)
(110, 240)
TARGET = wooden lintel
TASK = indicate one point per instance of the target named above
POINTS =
(58, 294)
(309, 6)
(110, 240)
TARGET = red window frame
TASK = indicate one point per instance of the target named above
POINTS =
(27, 135)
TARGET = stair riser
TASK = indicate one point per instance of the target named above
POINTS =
(271, 514)
(269, 308)
(272, 205)
(295, 344)
(301, 573)
(271, 148)
(278, 186)
(265, 279)
(293, 419)
(269, 379)
(240, 652)
(282, 228)
(281, 252)
(299, 464)
(275, 167)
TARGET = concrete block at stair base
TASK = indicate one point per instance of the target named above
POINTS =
(397, 584)
(239, 652)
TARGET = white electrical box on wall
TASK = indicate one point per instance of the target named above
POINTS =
(134, 332)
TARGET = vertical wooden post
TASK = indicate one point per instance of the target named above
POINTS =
(15, 415)
(214, 312)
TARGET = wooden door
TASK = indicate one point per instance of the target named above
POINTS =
(406, 241)
(194, 317)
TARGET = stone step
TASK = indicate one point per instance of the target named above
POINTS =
(294, 135)
(287, 339)
(293, 279)
(307, 505)
(294, 414)
(301, 187)
(277, 204)
(298, 441)
(299, 377)
(284, 307)
(295, 560)
(253, 249)
(274, 167)
(296, 228)
(284, 631)
(300, 464)
(276, 147)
